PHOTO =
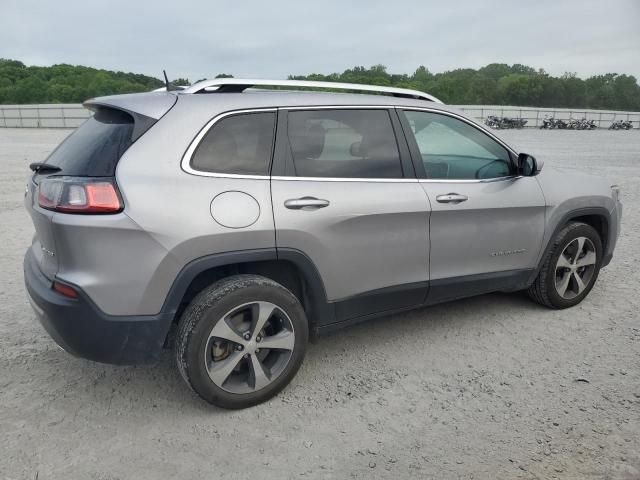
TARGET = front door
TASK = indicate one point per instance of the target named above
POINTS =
(347, 197)
(487, 223)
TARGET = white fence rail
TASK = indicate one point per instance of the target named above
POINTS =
(63, 115)
(535, 116)
(72, 115)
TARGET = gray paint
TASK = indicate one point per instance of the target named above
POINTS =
(499, 216)
(373, 234)
(151, 104)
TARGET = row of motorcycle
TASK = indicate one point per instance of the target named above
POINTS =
(504, 122)
(571, 124)
(551, 123)
(583, 124)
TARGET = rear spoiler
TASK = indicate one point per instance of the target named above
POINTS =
(145, 108)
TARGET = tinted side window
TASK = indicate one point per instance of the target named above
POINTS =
(239, 144)
(343, 144)
(453, 149)
(94, 149)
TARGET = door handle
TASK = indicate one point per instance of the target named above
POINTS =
(306, 203)
(452, 198)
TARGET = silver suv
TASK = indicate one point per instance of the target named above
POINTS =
(234, 224)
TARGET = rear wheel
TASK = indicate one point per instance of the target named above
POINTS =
(570, 268)
(241, 341)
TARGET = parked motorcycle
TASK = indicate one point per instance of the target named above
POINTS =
(504, 122)
(561, 124)
(548, 123)
(621, 125)
(493, 122)
(551, 123)
(582, 124)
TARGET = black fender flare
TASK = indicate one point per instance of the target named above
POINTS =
(322, 312)
(566, 218)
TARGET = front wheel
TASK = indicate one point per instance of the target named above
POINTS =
(241, 340)
(570, 268)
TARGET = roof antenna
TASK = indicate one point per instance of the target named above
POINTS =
(168, 86)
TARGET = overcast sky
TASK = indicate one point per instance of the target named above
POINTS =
(271, 39)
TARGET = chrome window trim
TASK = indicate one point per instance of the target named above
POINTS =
(340, 179)
(469, 180)
(186, 158)
(185, 164)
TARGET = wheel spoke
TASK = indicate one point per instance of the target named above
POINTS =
(580, 284)
(264, 313)
(579, 249)
(258, 377)
(563, 262)
(223, 330)
(588, 259)
(220, 371)
(561, 287)
(283, 340)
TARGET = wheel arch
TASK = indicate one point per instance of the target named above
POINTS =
(597, 217)
(291, 268)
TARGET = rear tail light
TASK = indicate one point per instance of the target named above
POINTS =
(79, 195)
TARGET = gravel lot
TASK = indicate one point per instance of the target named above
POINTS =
(489, 387)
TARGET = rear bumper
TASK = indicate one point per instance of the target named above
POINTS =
(82, 329)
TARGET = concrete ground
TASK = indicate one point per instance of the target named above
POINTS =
(489, 387)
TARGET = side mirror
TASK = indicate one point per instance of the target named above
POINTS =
(528, 166)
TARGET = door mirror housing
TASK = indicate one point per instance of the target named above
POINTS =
(528, 166)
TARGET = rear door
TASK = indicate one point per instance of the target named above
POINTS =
(487, 223)
(345, 194)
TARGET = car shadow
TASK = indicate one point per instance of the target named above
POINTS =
(157, 387)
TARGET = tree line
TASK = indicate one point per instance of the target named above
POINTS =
(493, 84)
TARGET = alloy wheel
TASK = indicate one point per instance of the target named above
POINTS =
(575, 268)
(249, 347)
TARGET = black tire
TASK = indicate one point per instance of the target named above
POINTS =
(543, 290)
(207, 309)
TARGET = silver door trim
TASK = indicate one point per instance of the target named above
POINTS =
(334, 179)
(469, 180)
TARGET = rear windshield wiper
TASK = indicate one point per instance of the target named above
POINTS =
(39, 167)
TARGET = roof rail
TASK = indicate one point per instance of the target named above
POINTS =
(240, 84)
(164, 89)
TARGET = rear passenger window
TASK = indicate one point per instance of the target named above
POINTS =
(343, 144)
(240, 144)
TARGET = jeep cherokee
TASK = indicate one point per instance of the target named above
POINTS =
(234, 224)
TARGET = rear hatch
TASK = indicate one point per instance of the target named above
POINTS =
(88, 156)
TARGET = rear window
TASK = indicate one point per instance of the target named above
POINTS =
(240, 144)
(94, 149)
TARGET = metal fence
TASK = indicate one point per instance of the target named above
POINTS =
(72, 115)
(43, 116)
(535, 116)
